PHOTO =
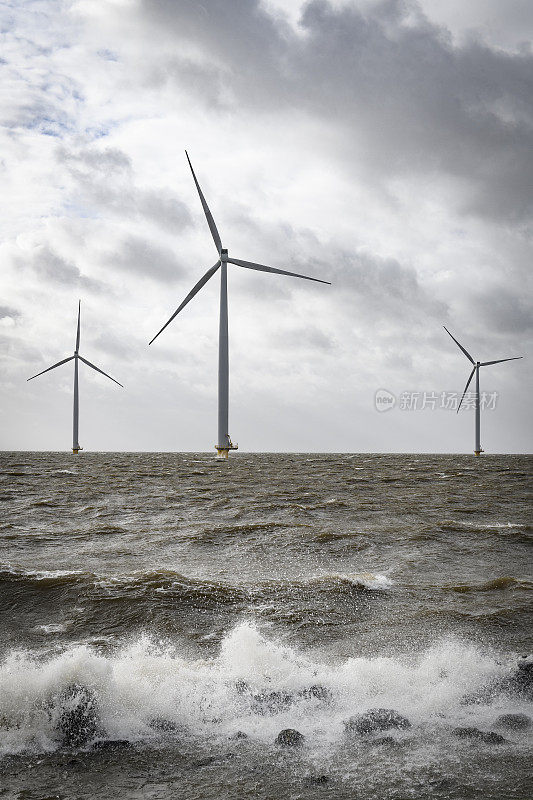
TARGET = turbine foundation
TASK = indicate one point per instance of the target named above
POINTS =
(223, 450)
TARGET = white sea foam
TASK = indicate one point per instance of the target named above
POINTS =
(38, 574)
(493, 525)
(370, 580)
(46, 574)
(148, 681)
(54, 627)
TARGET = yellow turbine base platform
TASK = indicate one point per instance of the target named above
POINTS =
(223, 452)
(478, 452)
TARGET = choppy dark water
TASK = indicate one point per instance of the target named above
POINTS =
(195, 599)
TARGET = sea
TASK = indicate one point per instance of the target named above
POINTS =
(164, 617)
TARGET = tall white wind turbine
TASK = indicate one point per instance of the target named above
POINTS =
(75, 417)
(475, 369)
(224, 444)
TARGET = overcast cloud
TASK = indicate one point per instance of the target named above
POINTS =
(384, 146)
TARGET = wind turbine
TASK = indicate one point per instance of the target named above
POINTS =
(475, 368)
(75, 440)
(224, 444)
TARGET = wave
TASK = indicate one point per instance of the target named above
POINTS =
(481, 527)
(365, 580)
(63, 472)
(59, 576)
(149, 690)
(505, 582)
(162, 580)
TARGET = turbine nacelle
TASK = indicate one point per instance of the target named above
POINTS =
(223, 256)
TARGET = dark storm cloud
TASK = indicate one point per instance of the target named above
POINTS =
(411, 100)
(363, 283)
(137, 255)
(13, 351)
(204, 81)
(505, 311)
(7, 312)
(105, 182)
(381, 290)
(51, 266)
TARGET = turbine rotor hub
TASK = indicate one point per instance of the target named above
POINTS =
(223, 255)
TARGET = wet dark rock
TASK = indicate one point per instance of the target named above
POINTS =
(479, 736)
(112, 744)
(483, 695)
(514, 722)
(272, 702)
(78, 716)
(202, 762)
(289, 737)
(387, 740)
(523, 678)
(518, 684)
(376, 719)
(239, 735)
(316, 692)
(317, 780)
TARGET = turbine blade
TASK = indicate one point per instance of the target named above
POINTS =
(203, 280)
(262, 268)
(101, 371)
(467, 354)
(500, 361)
(78, 331)
(208, 215)
(52, 367)
(466, 387)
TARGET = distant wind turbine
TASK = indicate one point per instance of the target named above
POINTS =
(477, 365)
(224, 444)
(75, 440)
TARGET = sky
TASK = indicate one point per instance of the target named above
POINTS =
(383, 145)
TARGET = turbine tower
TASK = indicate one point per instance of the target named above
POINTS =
(75, 417)
(475, 368)
(224, 443)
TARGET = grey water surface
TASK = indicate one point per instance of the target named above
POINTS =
(205, 606)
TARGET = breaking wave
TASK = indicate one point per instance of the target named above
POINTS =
(162, 580)
(148, 691)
